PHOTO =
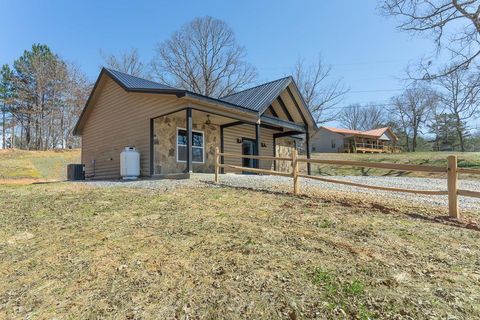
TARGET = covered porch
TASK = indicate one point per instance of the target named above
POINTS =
(365, 144)
(184, 141)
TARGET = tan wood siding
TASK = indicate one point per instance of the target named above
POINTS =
(231, 145)
(118, 119)
(292, 109)
(279, 110)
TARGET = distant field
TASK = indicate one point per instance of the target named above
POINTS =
(466, 160)
(36, 165)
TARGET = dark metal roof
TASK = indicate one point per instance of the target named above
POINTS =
(260, 97)
(135, 83)
(253, 100)
(282, 123)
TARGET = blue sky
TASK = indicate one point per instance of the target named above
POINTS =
(363, 47)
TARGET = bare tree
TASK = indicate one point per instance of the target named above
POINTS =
(351, 117)
(320, 93)
(362, 117)
(411, 110)
(127, 61)
(453, 24)
(461, 97)
(77, 90)
(399, 117)
(373, 117)
(203, 57)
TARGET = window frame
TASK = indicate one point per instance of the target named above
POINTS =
(333, 143)
(177, 145)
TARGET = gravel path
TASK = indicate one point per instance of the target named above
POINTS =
(283, 184)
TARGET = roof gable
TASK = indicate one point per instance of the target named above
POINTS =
(253, 100)
(260, 97)
(376, 132)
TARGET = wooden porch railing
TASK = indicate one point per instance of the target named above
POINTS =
(385, 148)
(451, 170)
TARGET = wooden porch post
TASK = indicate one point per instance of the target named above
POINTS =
(274, 153)
(222, 148)
(307, 143)
(189, 140)
(295, 171)
(258, 144)
(151, 156)
(217, 164)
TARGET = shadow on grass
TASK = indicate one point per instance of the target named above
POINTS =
(441, 219)
(446, 220)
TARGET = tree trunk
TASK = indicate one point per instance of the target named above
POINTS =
(460, 133)
(62, 130)
(4, 130)
(28, 135)
(414, 140)
(12, 133)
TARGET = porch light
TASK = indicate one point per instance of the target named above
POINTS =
(239, 140)
(264, 145)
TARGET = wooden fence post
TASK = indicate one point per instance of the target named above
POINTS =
(452, 176)
(295, 171)
(217, 164)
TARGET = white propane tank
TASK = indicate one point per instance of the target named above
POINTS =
(129, 163)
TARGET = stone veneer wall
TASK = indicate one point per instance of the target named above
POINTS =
(284, 148)
(165, 146)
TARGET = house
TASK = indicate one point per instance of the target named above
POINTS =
(177, 131)
(328, 139)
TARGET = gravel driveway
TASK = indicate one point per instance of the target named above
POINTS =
(284, 184)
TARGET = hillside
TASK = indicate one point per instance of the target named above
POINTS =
(36, 165)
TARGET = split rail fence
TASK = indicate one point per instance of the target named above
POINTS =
(451, 170)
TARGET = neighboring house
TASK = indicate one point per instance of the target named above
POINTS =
(176, 131)
(328, 139)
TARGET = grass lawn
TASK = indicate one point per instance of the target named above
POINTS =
(465, 160)
(36, 165)
(75, 251)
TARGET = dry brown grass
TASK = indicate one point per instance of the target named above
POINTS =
(74, 251)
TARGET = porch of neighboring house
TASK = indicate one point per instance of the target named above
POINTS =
(359, 144)
(184, 142)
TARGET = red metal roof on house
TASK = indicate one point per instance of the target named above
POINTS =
(376, 132)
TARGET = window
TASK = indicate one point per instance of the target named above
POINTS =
(197, 146)
(333, 144)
